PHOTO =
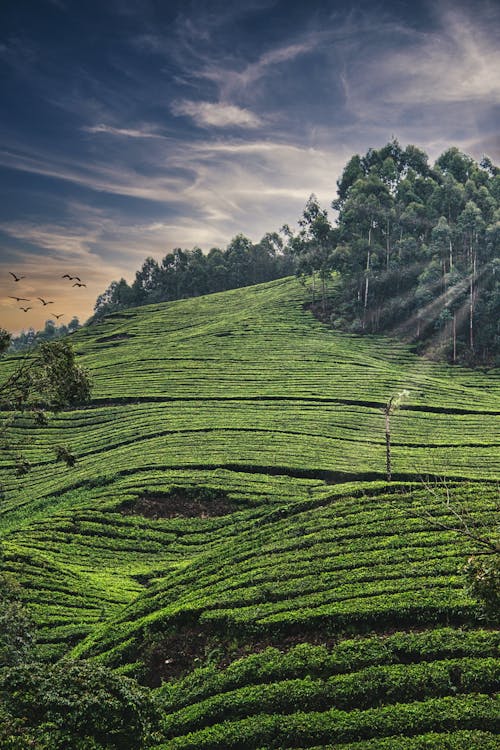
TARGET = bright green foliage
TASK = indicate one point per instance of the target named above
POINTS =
(190, 273)
(246, 395)
(354, 656)
(302, 729)
(356, 686)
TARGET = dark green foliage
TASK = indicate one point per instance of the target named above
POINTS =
(65, 455)
(482, 574)
(56, 377)
(49, 377)
(31, 338)
(416, 251)
(17, 631)
(459, 740)
(73, 705)
(5, 340)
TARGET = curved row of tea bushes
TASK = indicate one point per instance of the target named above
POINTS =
(305, 729)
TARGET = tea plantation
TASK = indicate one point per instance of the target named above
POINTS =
(228, 538)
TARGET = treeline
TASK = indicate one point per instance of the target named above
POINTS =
(190, 273)
(414, 251)
(31, 338)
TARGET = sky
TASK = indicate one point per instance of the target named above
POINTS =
(131, 127)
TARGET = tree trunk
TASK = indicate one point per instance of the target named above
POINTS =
(454, 337)
(387, 246)
(367, 272)
(471, 300)
(388, 442)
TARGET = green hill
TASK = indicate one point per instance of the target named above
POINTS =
(228, 529)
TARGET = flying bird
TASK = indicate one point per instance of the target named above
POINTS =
(57, 316)
(25, 308)
(77, 284)
(44, 302)
(19, 299)
(16, 278)
(67, 276)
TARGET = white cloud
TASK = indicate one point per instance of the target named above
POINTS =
(108, 178)
(232, 81)
(454, 63)
(125, 132)
(217, 114)
(459, 62)
(61, 242)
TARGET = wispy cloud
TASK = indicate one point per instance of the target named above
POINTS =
(454, 62)
(124, 132)
(217, 114)
(459, 62)
(231, 80)
(108, 178)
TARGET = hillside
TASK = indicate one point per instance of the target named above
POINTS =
(228, 514)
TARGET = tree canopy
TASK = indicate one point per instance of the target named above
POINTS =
(414, 251)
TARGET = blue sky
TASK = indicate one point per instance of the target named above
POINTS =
(130, 127)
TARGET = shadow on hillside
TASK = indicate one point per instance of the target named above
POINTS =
(114, 337)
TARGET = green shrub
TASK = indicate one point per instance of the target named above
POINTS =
(74, 705)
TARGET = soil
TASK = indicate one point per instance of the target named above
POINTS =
(180, 502)
(193, 646)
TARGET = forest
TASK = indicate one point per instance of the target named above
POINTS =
(412, 251)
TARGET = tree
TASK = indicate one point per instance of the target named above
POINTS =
(48, 379)
(17, 633)
(415, 249)
(106, 711)
(117, 296)
(390, 408)
(313, 246)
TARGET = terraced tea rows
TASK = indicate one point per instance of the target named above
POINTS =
(229, 495)
(318, 567)
(347, 692)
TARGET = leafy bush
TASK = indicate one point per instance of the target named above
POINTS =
(74, 705)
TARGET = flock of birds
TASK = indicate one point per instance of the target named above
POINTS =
(76, 279)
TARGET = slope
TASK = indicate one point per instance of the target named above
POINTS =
(229, 495)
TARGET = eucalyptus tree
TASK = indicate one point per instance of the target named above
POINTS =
(415, 248)
(312, 246)
(471, 226)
